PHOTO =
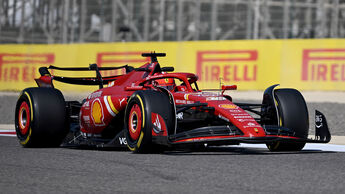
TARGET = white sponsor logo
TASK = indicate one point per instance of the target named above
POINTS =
(215, 98)
(86, 104)
(251, 124)
(179, 115)
(242, 117)
(234, 111)
(318, 119)
(184, 101)
(241, 114)
(181, 101)
(95, 95)
(157, 124)
(245, 120)
(122, 101)
(123, 141)
(111, 83)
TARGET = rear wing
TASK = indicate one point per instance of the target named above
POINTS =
(46, 78)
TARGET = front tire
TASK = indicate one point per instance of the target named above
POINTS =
(138, 119)
(293, 114)
(40, 117)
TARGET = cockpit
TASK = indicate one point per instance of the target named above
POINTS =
(175, 85)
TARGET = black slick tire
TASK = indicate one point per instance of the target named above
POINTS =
(293, 114)
(40, 117)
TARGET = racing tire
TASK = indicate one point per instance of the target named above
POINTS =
(138, 121)
(293, 114)
(40, 117)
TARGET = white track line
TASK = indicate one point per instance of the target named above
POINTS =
(8, 131)
(308, 147)
(8, 135)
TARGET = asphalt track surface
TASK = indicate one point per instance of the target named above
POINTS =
(216, 170)
(220, 170)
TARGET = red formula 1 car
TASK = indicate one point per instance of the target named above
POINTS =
(148, 108)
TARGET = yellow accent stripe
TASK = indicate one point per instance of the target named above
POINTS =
(142, 109)
(27, 138)
(130, 148)
(112, 105)
(140, 139)
(276, 145)
(138, 143)
(280, 119)
(31, 113)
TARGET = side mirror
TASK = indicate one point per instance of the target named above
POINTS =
(229, 87)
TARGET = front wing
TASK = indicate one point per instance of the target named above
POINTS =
(227, 135)
(231, 140)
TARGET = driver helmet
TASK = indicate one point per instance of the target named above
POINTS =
(167, 83)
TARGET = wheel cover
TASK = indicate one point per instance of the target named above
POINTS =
(24, 118)
(134, 122)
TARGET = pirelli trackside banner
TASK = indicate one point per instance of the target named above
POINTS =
(251, 64)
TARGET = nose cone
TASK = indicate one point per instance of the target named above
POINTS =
(241, 119)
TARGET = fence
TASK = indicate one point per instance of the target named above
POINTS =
(72, 21)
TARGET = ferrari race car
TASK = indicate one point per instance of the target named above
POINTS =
(151, 107)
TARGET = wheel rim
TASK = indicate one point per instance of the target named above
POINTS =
(134, 122)
(24, 118)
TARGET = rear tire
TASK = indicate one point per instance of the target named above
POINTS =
(40, 117)
(293, 114)
(138, 121)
